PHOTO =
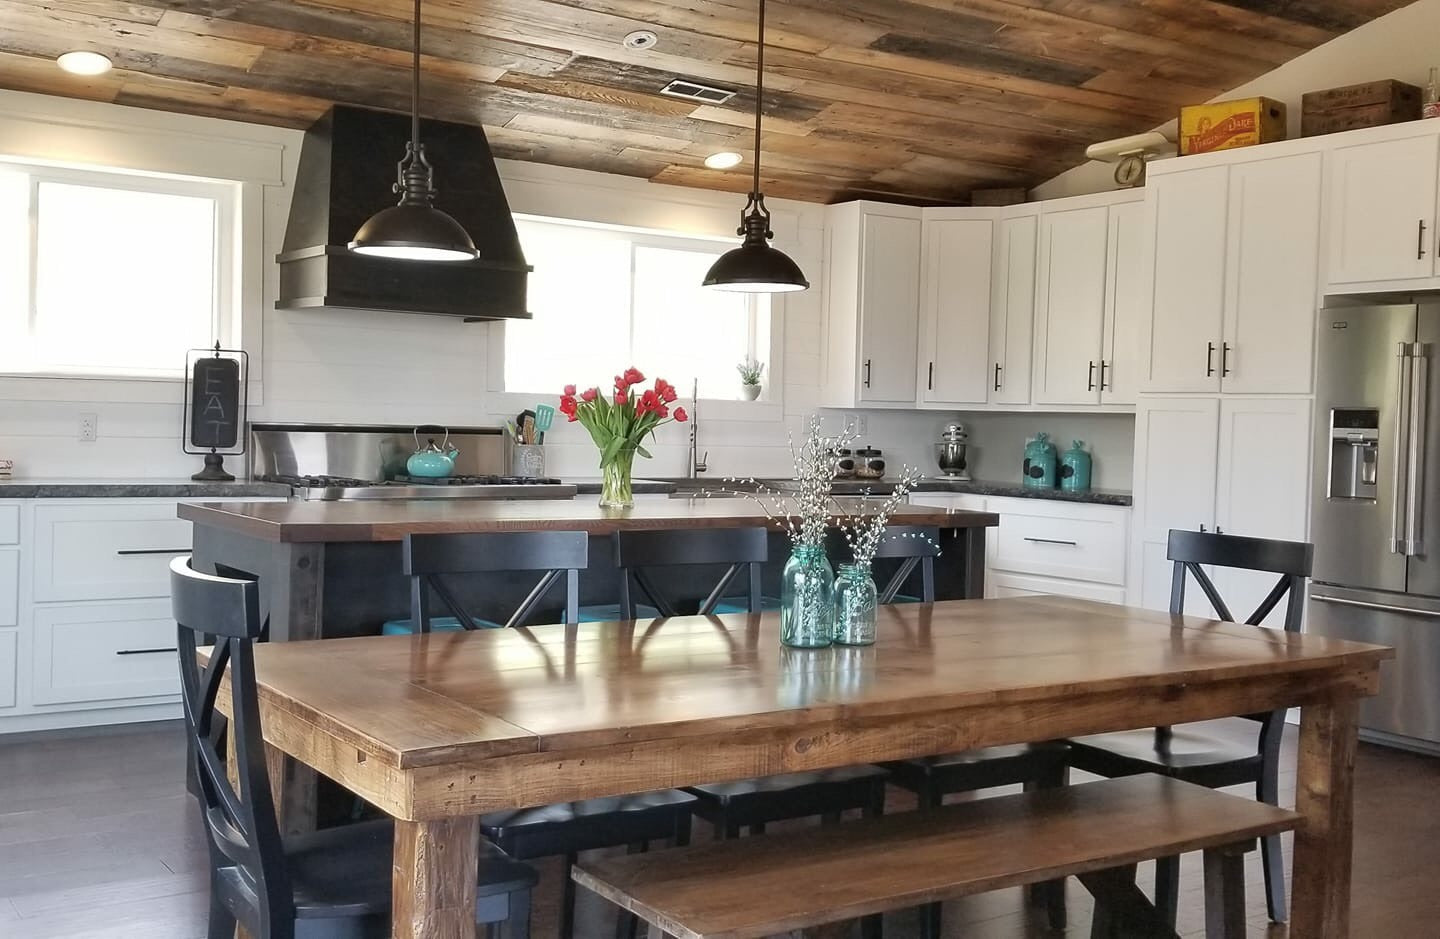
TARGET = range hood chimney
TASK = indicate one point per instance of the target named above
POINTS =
(345, 175)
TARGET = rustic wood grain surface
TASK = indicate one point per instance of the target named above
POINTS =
(919, 100)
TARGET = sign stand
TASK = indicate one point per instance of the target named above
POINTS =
(216, 397)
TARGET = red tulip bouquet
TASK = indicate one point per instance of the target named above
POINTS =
(618, 421)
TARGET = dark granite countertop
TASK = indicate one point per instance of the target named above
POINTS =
(978, 487)
(59, 487)
(590, 486)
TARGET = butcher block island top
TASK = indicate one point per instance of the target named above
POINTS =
(302, 522)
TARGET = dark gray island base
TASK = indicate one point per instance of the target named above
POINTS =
(332, 569)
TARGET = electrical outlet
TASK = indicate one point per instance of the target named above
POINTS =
(861, 425)
(89, 424)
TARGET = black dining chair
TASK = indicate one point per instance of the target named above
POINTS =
(932, 778)
(1190, 754)
(428, 560)
(332, 883)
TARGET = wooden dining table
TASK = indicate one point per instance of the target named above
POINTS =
(436, 729)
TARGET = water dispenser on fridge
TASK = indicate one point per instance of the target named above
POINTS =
(1354, 452)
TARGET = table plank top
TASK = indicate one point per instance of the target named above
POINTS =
(298, 521)
(446, 697)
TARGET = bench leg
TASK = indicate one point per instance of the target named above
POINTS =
(1126, 911)
(1167, 887)
(1225, 892)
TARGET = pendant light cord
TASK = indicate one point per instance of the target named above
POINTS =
(759, 91)
(415, 87)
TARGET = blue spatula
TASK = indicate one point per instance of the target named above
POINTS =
(544, 417)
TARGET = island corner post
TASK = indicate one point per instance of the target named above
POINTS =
(332, 569)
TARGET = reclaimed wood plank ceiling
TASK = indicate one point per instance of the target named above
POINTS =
(906, 100)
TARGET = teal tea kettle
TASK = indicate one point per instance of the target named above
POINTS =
(432, 461)
(1040, 460)
(1075, 468)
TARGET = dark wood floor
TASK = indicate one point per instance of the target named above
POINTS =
(98, 838)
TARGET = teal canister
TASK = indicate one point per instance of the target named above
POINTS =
(1040, 463)
(1075, 468)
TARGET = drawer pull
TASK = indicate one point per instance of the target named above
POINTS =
(143, 651)
(132, 552)
(1073, 544)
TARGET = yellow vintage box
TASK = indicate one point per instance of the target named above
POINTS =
(1224, 125)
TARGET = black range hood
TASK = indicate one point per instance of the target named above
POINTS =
(347, 169)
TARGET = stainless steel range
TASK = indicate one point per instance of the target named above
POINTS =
(330, 462)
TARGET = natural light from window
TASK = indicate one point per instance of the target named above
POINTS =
(605, 299)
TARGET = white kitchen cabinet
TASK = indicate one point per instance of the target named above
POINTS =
(949, 501)
(1382, 211)
(86, 652)
(9, 524)
(1012, 309)
(9, 587)
(1181, 336)
(1125, 305)
(954, 309)
(8, 676)
(106, 551)
(872, 309)
(1073, 541)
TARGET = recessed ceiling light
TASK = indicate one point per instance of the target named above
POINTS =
(724, 160)
(640, 39)
(83, 63)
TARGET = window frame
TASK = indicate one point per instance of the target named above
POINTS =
(228, 265)
(770, 404)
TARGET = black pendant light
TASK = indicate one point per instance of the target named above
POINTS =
(755, 266)
(414, 230)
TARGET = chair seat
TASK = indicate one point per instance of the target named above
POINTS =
(981, 768)
(742, 605)
(566, 827)
(786, 782)
(790, 795)
(1183, 754)
(610, 613)
(438, 624)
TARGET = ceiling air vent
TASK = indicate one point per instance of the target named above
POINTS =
(693, 91)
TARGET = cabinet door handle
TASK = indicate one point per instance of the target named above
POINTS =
(1420, 242)
(1224, 359)
(1209, 359)
(133, 552)
(867, 373)
(997, 376)
(1090, 381)
(144, 651)
(1103, 386)
(930, 382)
(1072, 544)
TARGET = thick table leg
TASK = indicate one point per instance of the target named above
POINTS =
(433, 879)
(1225, 892)
(974, 563)
(1324, 795)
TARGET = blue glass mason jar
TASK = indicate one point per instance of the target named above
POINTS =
(855, 596)
(807, 598)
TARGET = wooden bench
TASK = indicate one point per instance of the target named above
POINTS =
(1096, 831)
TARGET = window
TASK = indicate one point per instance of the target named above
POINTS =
(109, 274)
(604, 299)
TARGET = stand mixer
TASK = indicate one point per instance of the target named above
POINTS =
(951, 452)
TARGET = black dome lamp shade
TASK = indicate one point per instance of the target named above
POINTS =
(755, 266)
(414, 230)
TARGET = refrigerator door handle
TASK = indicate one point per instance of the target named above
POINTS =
(1381, 607)
(1415, 490)
(1399, 482)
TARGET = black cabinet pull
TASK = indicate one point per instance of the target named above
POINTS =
(1103, 386)
(867, 373)
(1420, 242)
(931, 382)
(1072, 544)
(132, 552)
(1224, 359)
(144, 651)
(1209, 359)
(1090, 381)
(997, 376)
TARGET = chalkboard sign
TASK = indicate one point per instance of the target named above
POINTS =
(215, 403)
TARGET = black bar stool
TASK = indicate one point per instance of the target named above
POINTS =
(336, 880)
(1191, 755)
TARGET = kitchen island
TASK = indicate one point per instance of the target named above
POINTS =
(331, 569)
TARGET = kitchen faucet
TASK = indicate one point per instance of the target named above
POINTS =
(698, 464)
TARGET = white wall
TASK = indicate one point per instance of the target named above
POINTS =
(1403, 45)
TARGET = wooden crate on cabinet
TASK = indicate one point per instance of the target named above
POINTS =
(872, 304)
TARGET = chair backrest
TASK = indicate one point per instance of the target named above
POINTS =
(1291, 560)
(428, 558)
(917, 547)
(240, 824)
(739, 548)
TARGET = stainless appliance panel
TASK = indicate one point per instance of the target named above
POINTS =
(1424, 567)
(1359, 368)
(1408, 705)
(374, 452)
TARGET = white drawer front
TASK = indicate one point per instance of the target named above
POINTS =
(7, 668)
(9, 524)
(1077, 542)
(950, 501)
(9, 587)
(104, 652)
(1022, 585)
(106, 552)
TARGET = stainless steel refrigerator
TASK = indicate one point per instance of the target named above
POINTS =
(1375, 513)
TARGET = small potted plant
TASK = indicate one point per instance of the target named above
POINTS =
(750, 371)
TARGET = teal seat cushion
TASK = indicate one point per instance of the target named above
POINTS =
(438, 624)
(610, 613)
(905, 598)
(742, 605)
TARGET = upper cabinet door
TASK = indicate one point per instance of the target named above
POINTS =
(1181, 336)
(1012, 310)
(955, 305)
(1382, 211)
(1070, 306)
(1125, 306)
(1273, 273)
(889, 308)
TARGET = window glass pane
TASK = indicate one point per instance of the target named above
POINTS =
(124, 280)
(14, 268)
(580, 297)
(684, 331)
